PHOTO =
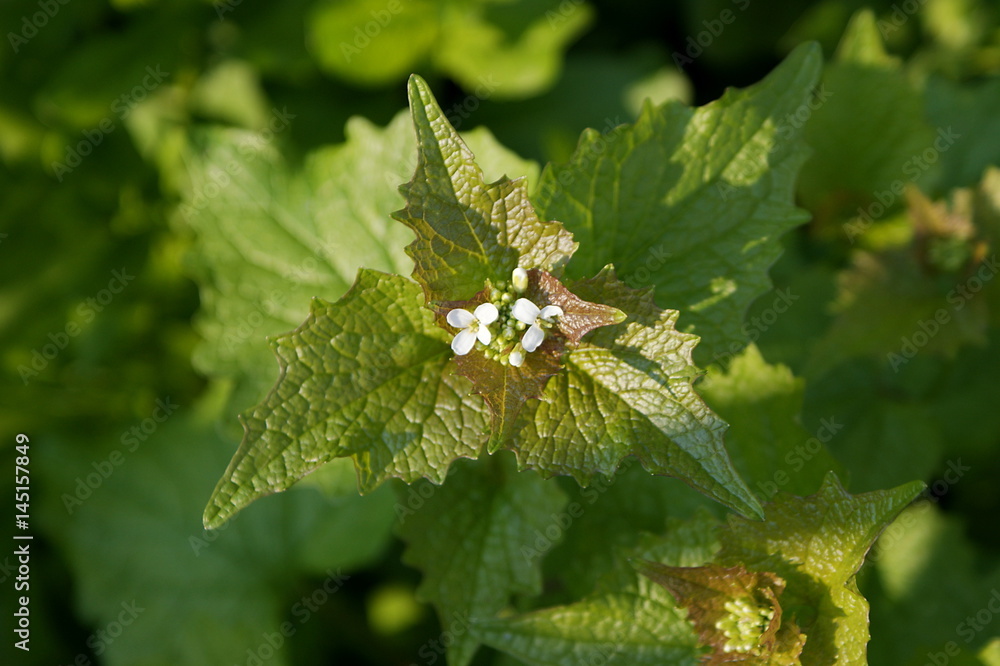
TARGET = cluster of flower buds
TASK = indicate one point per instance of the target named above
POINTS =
(514, 315)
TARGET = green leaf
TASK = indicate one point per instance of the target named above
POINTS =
(862, 44)
(364, 377)
(627, 621)
(469, 538)
(692, 202)
(990, 655)
(505, 50)
(768, 446)
(514, 47)
(891, 432)
(468, 231)
(817, 544)
(391, 47)
(861, 160)
(627, 389)
(137, 542)
(970, 109)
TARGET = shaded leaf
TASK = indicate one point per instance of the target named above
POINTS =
(469, 539)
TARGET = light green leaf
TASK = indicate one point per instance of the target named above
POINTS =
(628, 620)
(691, 201)
(990, 655)
(862, 44)
(468, 232)
(365, 377)
(818, 544)
(511, 49)
(271, 238)
(768, 445)
(469, 538)
(372, 41)
(931, 582)
(627, 389)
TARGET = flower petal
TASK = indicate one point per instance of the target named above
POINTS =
(486, 313)
(460, 318)
(525, 311)
(463, 342)
(484, 334)
(532, 338)
(516, 358)
(550, 311)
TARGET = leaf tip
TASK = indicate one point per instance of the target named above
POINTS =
(213, 517)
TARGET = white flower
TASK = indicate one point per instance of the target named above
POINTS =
(520, 280)
(527, 312)
(473, 325)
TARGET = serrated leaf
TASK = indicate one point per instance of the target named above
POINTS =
(627, 389)
(627, 621)
(468, 231)
(469, 538)
(817, 544)
(691, 201)
(464, 245)
(364, 377)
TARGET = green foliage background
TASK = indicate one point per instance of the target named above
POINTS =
(153, 141)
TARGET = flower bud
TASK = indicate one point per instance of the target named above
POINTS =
(520, 280)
